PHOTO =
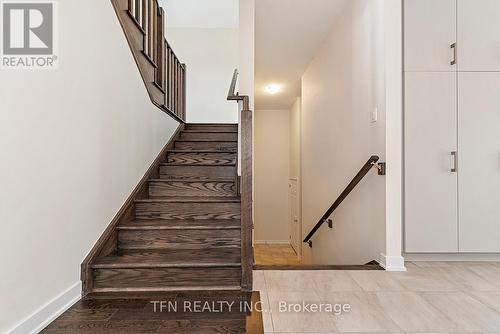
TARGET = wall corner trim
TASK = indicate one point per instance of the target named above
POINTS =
(392, 263)
(42, 317)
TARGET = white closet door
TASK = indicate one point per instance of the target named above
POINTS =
(430, 30)
(479, 162)
(430, 185)
(479, 35)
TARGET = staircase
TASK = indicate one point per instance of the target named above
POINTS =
(185, 234)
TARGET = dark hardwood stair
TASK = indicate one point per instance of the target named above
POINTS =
(201, 157)
(175, 224)
(173, 187)
(184, 233)
(223, 146)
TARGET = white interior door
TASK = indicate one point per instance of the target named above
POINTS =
(478, 35)
(479, 162)
(295, 237)
(430, 185)
(430, 30)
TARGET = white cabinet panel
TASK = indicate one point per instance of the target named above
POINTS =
(479, 35)
(430, 185)
(430, 30)
(479, 162)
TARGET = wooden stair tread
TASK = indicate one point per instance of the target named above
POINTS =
(169, 289)
(203, 151)
(187, 224)
(214, 257)
(191, 199)
(192, 181)
(210, 131)
(207, 140)
(173, 295)
(194, 165)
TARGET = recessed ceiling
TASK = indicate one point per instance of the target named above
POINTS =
(288, 35)
(201, 13)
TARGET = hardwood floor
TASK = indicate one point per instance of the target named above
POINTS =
(273, 254)
(132, 313)
(283, 257)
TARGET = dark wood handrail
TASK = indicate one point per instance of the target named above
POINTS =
(350, 187)
(246, 184)
(232, 96)
(143, 22)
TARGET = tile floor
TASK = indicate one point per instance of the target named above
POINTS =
(271, 254)
(437, 297)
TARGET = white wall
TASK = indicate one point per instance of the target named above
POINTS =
(295, 138)
(247, 49)
(272, 160)
(211, 55)
(74, 143)
(340, 89)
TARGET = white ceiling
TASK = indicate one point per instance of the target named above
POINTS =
(201, 13)
(288, 35)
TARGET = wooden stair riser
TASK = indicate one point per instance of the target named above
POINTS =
(212, 127)
(210, 135)
(207, 158)
(161, 210)
(190, 188)
(160, 278)
(168, 224)
(198, 172)
(179, 239)
(206, 145)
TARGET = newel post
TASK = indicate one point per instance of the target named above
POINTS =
(246, 198)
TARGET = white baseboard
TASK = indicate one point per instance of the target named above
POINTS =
(392, 263)
(37, 321)
(272, 242)
(451, 257)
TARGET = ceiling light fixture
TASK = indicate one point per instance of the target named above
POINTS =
(273, 89)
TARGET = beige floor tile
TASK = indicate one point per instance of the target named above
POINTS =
(376, 281)
(298, 322)
(488, 272)
(424, 279)
(259, 282)
(431, 264)
(266, 313)
(411, 312)
(331, 280)
(366, 313)
(289, 280)
(463, 277)
(470, 314)
(490, 298)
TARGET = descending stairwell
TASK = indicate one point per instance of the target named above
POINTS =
(186, 234)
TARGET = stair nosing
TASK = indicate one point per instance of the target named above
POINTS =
(175, 164)
(206, 140)
(202, 151)
(180, 200)
(174, 227)
(201, 131)
(142, 265)
(191, 181)
(171, 289)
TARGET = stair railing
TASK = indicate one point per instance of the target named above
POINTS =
(245, 184)
(143, 22)
(371, 163)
